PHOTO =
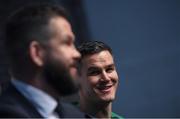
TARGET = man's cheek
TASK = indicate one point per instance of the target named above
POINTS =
(74, 73)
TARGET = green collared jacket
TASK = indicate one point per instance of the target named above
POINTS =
(115, 116)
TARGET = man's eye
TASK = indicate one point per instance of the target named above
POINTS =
(68, 42)
(93, 73)
(110, 69)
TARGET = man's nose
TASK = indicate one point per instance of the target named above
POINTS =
(105, 76)
(77, 54)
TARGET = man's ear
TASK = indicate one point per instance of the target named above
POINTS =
(37, 53)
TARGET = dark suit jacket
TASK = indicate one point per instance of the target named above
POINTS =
(14, 104)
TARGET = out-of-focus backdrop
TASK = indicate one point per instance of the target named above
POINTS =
(145, 38)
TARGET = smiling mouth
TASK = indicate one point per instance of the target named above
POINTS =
(105, 88)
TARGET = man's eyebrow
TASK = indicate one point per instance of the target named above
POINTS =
(111, 65)
(92, 68)
(95, 67)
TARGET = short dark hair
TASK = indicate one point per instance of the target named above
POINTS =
(27, 24)
(90, 48)
(93, 47)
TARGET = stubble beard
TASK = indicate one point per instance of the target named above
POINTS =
(58, 77)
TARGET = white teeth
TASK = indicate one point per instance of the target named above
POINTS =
(104, 87)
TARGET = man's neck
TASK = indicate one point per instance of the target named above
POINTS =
(99, 110)
(105, 112)
(39, 82)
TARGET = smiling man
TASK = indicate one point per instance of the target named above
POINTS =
(98, 79)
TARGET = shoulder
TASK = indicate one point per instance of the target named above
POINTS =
(116, 116)
(10, 97)
(10, 105)
(8, 111)
(14, 104)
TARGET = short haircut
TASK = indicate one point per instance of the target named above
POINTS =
(27, 24)
(93, 47)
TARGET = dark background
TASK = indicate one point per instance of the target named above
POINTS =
(144, 35)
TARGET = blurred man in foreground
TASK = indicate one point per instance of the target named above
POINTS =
(43, 58)
(98, 79)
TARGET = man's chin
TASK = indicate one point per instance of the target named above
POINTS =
(60, 77)
(62, 82)
(107, 98)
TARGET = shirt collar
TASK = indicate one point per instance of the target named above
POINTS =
(44, 103)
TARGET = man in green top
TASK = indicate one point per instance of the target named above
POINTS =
(98, 79)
